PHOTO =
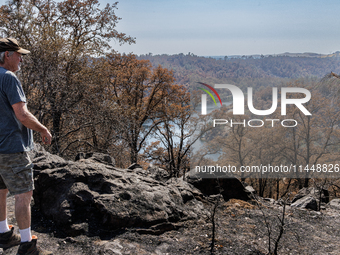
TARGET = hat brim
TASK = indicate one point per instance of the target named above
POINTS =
(23, 51)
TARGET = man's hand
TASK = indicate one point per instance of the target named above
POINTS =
(46, 137)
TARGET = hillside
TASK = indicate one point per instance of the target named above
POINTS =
(247, 70)
(108, 210)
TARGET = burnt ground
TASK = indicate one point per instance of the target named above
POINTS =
(241, 228)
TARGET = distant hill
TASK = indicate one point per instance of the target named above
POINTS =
(286, 54)
(270, 70)
(333, 55)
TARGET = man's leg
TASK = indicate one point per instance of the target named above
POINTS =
(3, 211)
(28, 243)
(7, 236)
(3, 204)
(23, 215)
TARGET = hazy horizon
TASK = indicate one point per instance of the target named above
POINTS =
(225, 27)
(273, 54)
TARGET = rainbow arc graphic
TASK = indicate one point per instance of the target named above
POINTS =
(204, 98)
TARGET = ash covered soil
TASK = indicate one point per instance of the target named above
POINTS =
(241, 228)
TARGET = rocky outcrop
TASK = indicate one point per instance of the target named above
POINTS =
(44, 160)
(96, 157)
(307, 202)
(334, 204)
(310, 198)
(318, 194)
(226, 185)
(92, 196)
(158, 174)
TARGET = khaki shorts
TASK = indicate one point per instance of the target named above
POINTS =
(16, 173)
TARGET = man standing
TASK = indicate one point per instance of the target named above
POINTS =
(16, 174)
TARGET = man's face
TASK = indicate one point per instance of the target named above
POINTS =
(13, 62)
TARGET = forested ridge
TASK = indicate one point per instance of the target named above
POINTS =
(263, 71)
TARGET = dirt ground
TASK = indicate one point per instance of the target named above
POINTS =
(241, 228)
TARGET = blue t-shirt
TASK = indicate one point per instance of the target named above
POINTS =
(14, 137)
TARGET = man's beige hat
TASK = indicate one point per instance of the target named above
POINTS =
(11, 44)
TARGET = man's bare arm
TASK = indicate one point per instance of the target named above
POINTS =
(31, 122)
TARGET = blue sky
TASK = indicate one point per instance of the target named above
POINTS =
(224, 27)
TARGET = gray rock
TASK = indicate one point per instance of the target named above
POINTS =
(250, 189)
(229, 187)
(307, 202)
(134, 166)
(45, 160)
(87, 196)
(158, 174)
(96, 157)
(334, 204)
(271, 200)
(120, 246)
(314, 192)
